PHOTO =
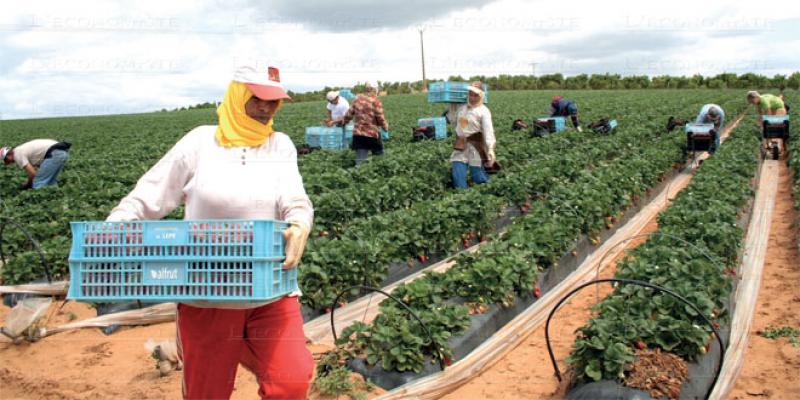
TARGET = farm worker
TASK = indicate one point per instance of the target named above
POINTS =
(337, 108)
(42, 160)
(561, 107)
(768, 104)
(367, 111)
(475, 142)
(238, 169)
(712, 114)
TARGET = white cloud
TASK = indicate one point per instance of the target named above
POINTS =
(65, 58)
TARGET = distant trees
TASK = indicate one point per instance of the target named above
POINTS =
(577, 82)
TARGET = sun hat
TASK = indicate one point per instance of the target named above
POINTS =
(4, 152)
(332, 95)
(476, 87)
(264, 82)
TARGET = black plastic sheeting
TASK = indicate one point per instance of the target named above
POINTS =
(701, 375)
(701, 372)
(483, 326)
(400, 270)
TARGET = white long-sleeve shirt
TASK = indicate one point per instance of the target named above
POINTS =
(216, 182)
(468, 121)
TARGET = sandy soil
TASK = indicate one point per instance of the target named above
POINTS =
(771, 367)
(86, 364)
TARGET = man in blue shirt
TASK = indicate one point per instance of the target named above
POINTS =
(712, 114)
(561, 107)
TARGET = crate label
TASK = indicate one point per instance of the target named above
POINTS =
(165, 273)
(165, 234)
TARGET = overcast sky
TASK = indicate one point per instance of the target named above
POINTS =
(81, 58)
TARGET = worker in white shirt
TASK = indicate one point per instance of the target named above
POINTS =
(474, 147)
(41, 159)
(238, 169)
(337, 108)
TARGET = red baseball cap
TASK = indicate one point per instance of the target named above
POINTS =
(265, 83)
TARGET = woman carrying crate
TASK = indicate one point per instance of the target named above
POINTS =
(367, 110)
(238, 169)
(475, 141)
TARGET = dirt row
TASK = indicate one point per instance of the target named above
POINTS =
(771, 367)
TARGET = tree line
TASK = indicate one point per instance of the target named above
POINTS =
(578, 82)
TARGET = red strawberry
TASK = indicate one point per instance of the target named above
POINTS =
(640, 345)
(447, 361)
(537, 292)
(422, 258)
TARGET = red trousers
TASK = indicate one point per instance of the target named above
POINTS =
(267, 340)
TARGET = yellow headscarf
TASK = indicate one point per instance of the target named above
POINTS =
(235, 128)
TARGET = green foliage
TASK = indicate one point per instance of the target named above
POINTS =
(705, 214)
(786, 331)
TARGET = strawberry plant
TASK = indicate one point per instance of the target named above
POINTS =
(704, 214)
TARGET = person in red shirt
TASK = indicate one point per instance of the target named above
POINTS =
(367, 111)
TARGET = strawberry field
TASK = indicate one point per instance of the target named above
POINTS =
(398, 214)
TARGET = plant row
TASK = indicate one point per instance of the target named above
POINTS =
(694, 253)
(507, 269)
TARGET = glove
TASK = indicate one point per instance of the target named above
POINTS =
(294, 237)
(580, 129)
(491, 158)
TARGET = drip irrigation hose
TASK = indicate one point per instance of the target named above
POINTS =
(31, 239)
(638, 283)
(398, 301)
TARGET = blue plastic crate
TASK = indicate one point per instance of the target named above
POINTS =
(560, 122)
(774, 119)
(439, 124)
(347, 94)
(179, 260)
(452, 92)
(698, 128)
(348, 132)
(447, 85)
(333, 137)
